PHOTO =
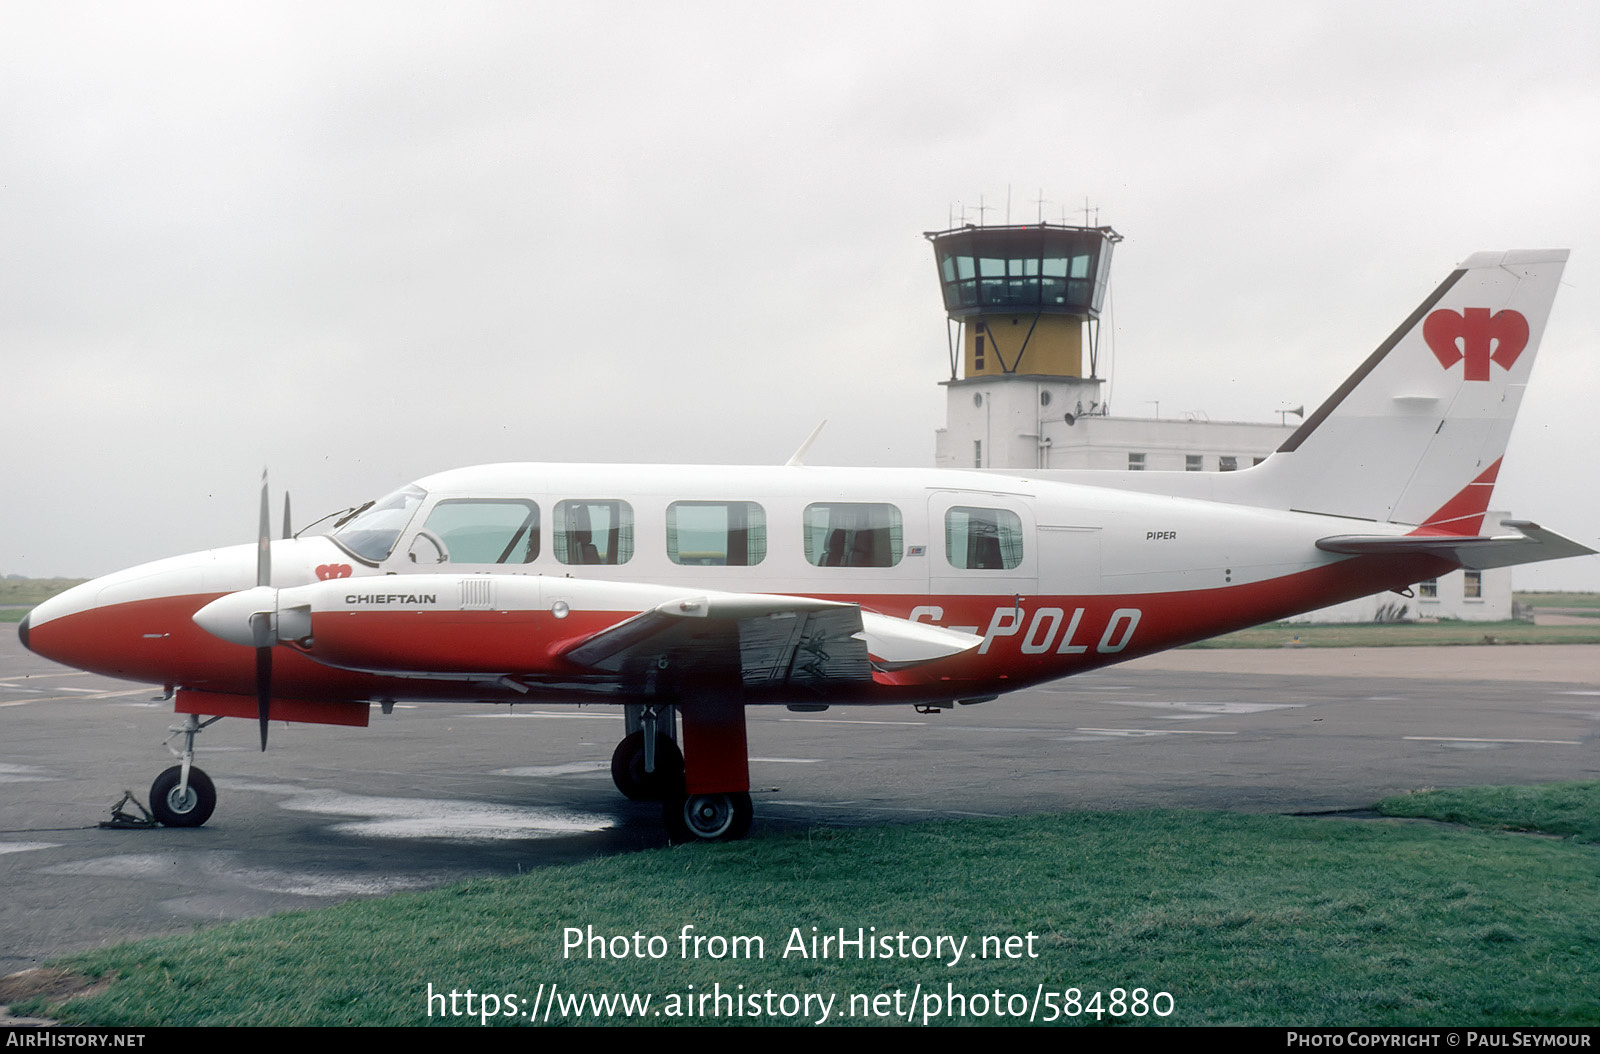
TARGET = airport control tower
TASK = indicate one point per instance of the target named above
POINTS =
(1023, 303)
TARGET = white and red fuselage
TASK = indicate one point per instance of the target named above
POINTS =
(1093, 576)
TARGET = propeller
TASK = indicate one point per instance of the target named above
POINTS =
(262, 630)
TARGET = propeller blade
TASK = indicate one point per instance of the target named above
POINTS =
(286, 532)
(262, 632)
(264, 690)
(264, 539)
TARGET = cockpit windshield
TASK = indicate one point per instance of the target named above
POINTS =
(372, 533)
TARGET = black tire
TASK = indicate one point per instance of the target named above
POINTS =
(627, 769)
(190, 811)
(721, 817)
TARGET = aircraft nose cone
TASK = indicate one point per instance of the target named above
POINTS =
(22, 631)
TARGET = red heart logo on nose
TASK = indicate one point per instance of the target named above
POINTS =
(327, 571)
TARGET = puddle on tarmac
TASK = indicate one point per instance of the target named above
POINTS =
(443, 818)
(212, 868)
(571, 768)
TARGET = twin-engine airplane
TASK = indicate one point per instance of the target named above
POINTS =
(691, 593)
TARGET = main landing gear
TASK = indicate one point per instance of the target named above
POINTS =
(704, 790)
(184, 796)
(722, 817)
(641, 777)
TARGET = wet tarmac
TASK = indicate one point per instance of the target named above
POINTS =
(435, 794)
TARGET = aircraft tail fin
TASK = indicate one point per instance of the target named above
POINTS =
(1416, 434)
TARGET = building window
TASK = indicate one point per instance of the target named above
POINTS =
(853, 534)
(716, 533)
(982, 539)
(1472, 585)
(1135, 462)
(977, 453)
(1227, 464)
(1193, 462)
(1428, 590)
(1256, 461)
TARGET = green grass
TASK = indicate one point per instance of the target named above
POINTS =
(1559, 600)
(34, 590)
(1400, 634)
(1571, 810)
(1260, 920)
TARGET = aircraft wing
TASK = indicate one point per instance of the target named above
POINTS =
(780, 640)
(477, 627)
(1473, 552)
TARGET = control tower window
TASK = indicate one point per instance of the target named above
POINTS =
(1056, 269)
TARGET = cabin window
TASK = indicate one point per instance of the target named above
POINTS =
(982, 539)
(479, 531)
(716, 533)
(853, 534)
(371, 531)
(593, 532)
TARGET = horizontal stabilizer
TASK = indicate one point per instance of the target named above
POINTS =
(1473, 552)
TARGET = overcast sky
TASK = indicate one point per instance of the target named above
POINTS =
(365, 242)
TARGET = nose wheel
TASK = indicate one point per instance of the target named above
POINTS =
(178, 806)
(184, 796)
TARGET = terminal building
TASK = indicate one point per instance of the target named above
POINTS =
(1026, 394)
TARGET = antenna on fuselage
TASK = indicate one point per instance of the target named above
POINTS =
(799, 457)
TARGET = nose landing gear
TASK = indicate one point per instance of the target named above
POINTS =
(177, 805)
(184, 796)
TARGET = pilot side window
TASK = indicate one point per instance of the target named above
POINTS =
(479, 531)
(853, 534)
(716, 533)
(982, 539)
(593, 532)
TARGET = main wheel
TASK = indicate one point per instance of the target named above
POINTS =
(721, 817)
(182, 810)
(627, 769)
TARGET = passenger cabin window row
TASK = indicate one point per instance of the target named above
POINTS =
(705, 534)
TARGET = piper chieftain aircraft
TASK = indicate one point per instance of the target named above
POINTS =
(689, 594)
